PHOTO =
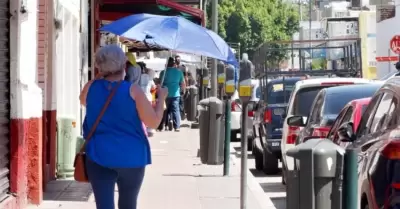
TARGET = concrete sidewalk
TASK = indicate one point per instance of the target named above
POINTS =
(175, 180)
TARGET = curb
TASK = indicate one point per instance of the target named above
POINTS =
(263, 200)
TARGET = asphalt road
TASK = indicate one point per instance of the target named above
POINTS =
(271, 185)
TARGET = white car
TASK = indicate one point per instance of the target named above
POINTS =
(236, 114)
(300, 102)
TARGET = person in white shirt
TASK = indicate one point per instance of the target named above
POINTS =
(147, 83)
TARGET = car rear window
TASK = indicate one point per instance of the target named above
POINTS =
(304, 100)
(333, 105)
(279, 93)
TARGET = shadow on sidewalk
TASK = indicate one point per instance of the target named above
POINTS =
(185, 126)
(67, 190)
(270, 187)
(257, 173)
(190, 175)
(238, 153)
(279, 202)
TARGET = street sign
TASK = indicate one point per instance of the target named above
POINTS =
(395, 44)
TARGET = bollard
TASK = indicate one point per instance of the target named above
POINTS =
(227, 136)
(350, 183)
(211, 134)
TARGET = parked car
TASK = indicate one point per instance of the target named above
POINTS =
(392, 74)
(352, 112)
(326, 107)
(236, 114)
(377, 142)
(299, 104)
(268, 122)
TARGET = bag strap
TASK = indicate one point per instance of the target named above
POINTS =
(103, 110)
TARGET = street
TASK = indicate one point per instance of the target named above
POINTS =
(271, 185)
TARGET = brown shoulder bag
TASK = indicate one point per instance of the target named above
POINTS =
(80, 173)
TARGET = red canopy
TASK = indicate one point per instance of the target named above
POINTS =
(115, 9)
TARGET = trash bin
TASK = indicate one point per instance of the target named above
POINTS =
(192, 103)
(317, 182)
(66, 147)
(211, 131)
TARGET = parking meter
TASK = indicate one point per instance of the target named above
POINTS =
(317, 181)
(245, 92)
(221, 78)
(230, 85)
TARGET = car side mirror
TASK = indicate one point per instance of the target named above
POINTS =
(346, 132)
(296, 121)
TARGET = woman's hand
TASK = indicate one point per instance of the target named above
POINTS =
(162, 93)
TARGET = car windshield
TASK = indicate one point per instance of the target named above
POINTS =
(304, 100)
(279, 93)
(333, 105)
(389, 75)
(258, 92)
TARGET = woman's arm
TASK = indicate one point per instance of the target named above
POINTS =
(150, 116)
(84, 92)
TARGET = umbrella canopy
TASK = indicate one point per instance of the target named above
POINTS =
(174, 33)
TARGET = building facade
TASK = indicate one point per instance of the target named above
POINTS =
(21, 106)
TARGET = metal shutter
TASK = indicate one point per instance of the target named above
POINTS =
(4, 99)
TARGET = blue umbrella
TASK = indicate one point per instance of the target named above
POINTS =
(173, 33)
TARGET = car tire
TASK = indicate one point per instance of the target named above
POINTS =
(250, 143)
(258, 156)
(270, 163)
(234, 135)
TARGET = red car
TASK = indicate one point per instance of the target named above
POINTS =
(352, 112)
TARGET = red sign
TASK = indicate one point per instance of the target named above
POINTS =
(395, 44)
(387, 59)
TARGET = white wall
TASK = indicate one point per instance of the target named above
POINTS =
(385, 31)
(68, 61)
(26, 96)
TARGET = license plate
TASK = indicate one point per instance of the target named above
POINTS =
(275, 144)
(279, 111)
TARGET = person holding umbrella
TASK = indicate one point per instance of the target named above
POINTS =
(172, 78)
(117, 150)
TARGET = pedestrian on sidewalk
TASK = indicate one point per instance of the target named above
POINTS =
(118, 151)
(174, 81)
(147, 83)
(133, 70)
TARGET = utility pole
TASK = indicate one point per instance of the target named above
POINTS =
(214, 27)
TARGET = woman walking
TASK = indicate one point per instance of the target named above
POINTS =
(118, 151)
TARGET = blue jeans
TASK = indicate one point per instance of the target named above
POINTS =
(103, 180)
(173, 111)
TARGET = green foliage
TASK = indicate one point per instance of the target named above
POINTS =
(254, 22)
(318, 64)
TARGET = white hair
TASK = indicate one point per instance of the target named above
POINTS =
(110, 59)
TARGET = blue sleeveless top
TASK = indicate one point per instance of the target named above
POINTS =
(119, 140)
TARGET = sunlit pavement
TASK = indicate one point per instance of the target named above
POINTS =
(271, 185)
(175, 180)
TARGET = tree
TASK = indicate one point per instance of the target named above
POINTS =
(254, 22)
